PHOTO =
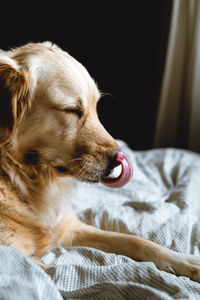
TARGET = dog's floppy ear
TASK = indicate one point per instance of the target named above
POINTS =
(13, 91)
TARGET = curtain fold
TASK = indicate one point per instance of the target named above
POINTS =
(178, 118)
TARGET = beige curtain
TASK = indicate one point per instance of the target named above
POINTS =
(178, 119)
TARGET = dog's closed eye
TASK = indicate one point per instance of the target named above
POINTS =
(77, 111)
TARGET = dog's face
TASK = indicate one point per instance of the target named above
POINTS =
(48, 113)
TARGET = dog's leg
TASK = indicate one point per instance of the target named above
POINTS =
(137, 249)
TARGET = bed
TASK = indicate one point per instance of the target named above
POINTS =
(161, 203)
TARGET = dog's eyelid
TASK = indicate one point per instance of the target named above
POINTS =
(75, 110)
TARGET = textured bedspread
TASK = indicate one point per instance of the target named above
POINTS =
(161, 203)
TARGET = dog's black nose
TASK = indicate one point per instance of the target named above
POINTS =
(113, 162)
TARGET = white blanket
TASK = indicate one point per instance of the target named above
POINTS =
(161, 203)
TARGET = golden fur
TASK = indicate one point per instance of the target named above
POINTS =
(50, 133)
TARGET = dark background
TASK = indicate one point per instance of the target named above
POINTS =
(121, 43)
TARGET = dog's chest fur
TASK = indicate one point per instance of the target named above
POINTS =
(40, 223)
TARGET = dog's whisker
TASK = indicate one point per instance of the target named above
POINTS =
(107, 94)
(77, 166)
(75, 159)
(82, 172)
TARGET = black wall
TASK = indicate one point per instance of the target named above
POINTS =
(119, 42)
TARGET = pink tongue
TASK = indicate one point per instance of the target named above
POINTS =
(126, 173)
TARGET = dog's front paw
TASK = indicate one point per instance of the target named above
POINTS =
(188, 265)
(182, 265)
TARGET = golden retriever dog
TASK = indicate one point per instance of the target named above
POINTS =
(49, 134)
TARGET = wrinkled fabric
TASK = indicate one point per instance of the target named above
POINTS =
(161, 203)
(21, 278)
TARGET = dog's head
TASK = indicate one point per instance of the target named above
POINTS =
(48, 113)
